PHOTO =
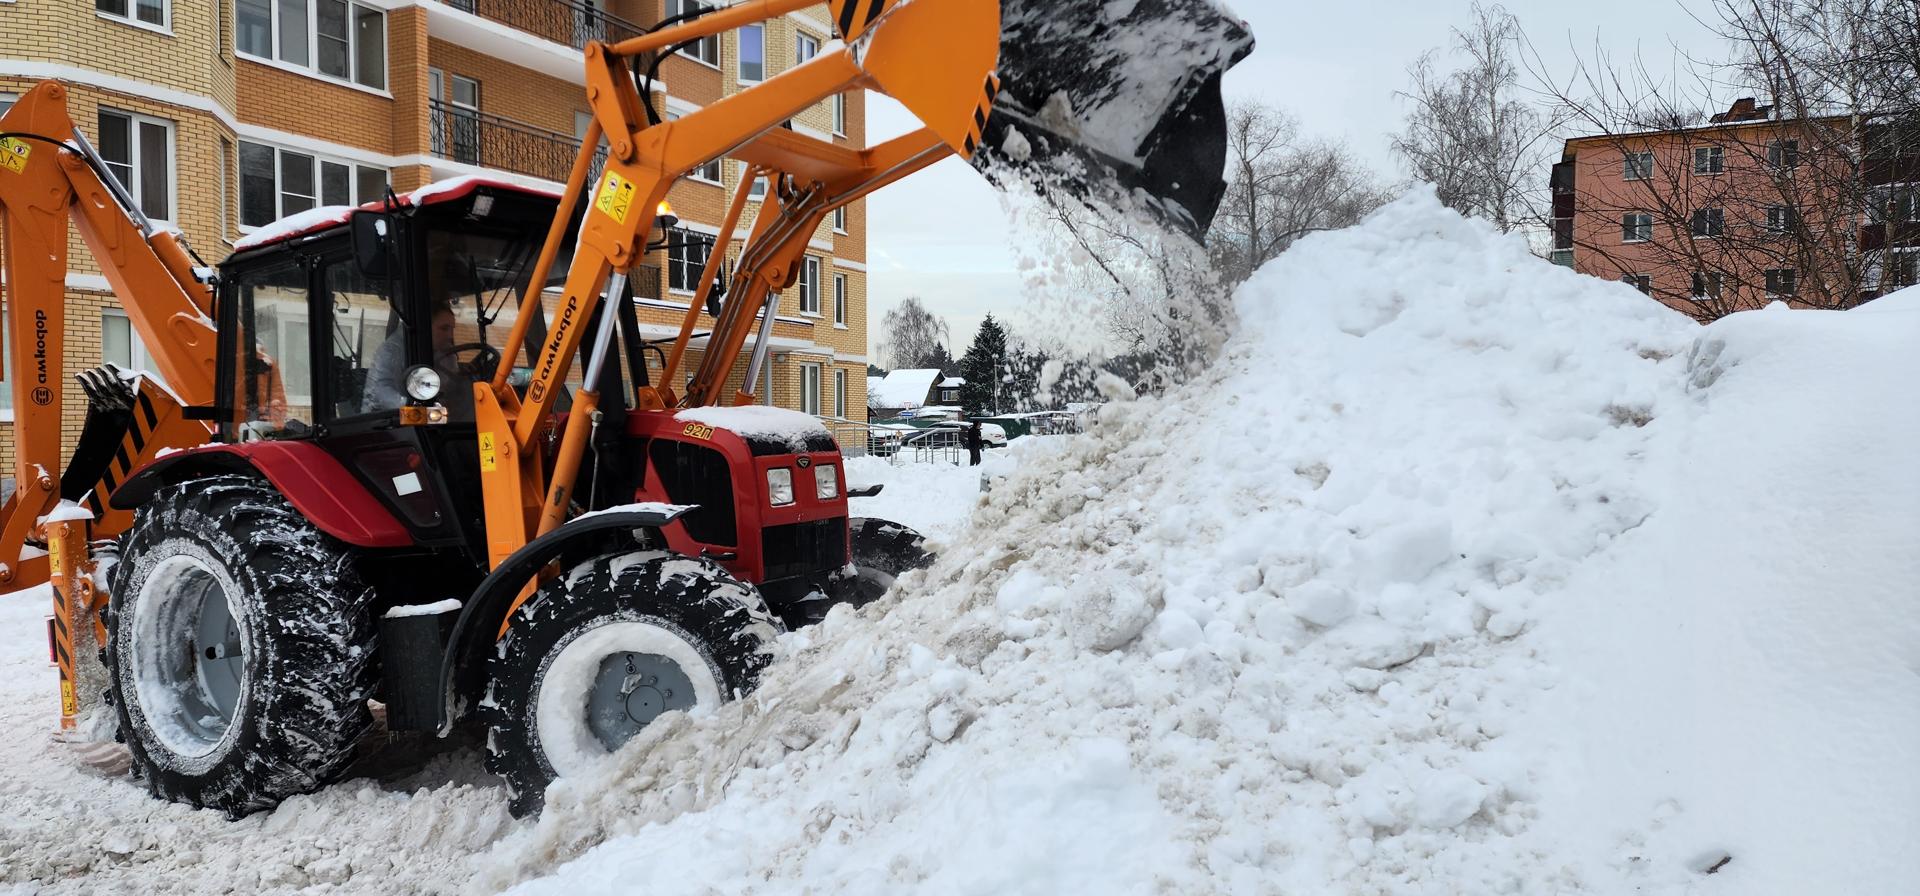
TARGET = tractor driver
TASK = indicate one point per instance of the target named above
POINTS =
(387, 378)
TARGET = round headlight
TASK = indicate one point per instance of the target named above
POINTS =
(423, 383)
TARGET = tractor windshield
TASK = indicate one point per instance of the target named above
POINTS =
(475, 274)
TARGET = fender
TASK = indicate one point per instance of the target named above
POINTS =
(313, 481)
(481, 617)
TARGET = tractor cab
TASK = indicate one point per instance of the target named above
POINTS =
(369, 344)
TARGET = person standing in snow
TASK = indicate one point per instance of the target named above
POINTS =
(974, 443)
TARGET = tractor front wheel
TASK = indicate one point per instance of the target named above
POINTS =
(240, 647)
(604, 649)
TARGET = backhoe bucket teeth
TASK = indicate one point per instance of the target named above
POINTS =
(1103, 94)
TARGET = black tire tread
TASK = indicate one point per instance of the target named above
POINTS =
(728, 618)
(318, 671)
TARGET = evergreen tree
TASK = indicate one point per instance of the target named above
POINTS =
(982, 368)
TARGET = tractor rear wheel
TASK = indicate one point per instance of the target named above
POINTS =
(239, 648)
(604, 649)
(882, 551)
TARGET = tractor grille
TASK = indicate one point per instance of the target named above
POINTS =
(804, 548)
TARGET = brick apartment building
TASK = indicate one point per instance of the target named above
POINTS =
(224, 115)
(1747, 208)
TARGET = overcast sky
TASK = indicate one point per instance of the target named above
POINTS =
(942, 234)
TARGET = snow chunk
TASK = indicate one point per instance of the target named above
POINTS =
(640, 507)
(433, 609)
(67, 512)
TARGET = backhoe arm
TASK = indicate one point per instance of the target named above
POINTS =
(50, 179)
(644, 160)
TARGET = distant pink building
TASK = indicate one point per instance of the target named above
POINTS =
(1746, 209)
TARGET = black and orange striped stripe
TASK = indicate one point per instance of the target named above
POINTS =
(981, 112)
(141, 424)
(846, 11)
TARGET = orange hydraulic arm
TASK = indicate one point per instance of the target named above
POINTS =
(886, 48)
(50, 179)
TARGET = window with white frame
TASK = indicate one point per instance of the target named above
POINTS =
(1903, 267)
(1784, 154)
(148, 12)
(1709, 160)
(120, 345)
(336, 38)
(453, 124)
(6, 102)
(1782, 218)
(840, 299)
(708, 173)
(276, 182)
(707, 50)
(1706, 284)
(1637, 166)
(752, 40)
(1642, 282)
(840, 394)
(1709, 222)
(840, 219)
(139, 151)
(840, 114)
(687, 254)
(1904, 203)
(810, 388)
(810, 285)
(226, 191)
(805, 47)
(1636, 227)
(758, 191)
(1783, 282)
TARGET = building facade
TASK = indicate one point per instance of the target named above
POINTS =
(222, 116)
(1744, 209)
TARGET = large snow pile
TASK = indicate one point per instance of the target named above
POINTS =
(1459, 573)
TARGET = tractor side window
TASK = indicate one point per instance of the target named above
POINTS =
(274, 374)
(369, 359)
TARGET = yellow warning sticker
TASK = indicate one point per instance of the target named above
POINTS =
(69, 705)
(13, 154)
(489, 460)
(616, 197)
(56, 548)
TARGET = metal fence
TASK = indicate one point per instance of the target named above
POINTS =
(490, 141)
(920, 446)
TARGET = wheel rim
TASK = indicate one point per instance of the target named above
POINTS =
(188, 656)
(589, 704)
(631, 691)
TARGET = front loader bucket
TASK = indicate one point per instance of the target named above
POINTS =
(1100, 94)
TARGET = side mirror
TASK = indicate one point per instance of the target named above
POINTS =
(373, 242)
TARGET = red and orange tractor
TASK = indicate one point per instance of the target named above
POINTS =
(353, 489)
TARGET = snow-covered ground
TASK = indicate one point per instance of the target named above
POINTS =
(1458, 573)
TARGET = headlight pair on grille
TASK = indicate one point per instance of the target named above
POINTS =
(826, 484)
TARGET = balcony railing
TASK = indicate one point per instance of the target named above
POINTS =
(570, 22)
(474, 137)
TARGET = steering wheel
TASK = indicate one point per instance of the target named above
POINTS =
(481, 366)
